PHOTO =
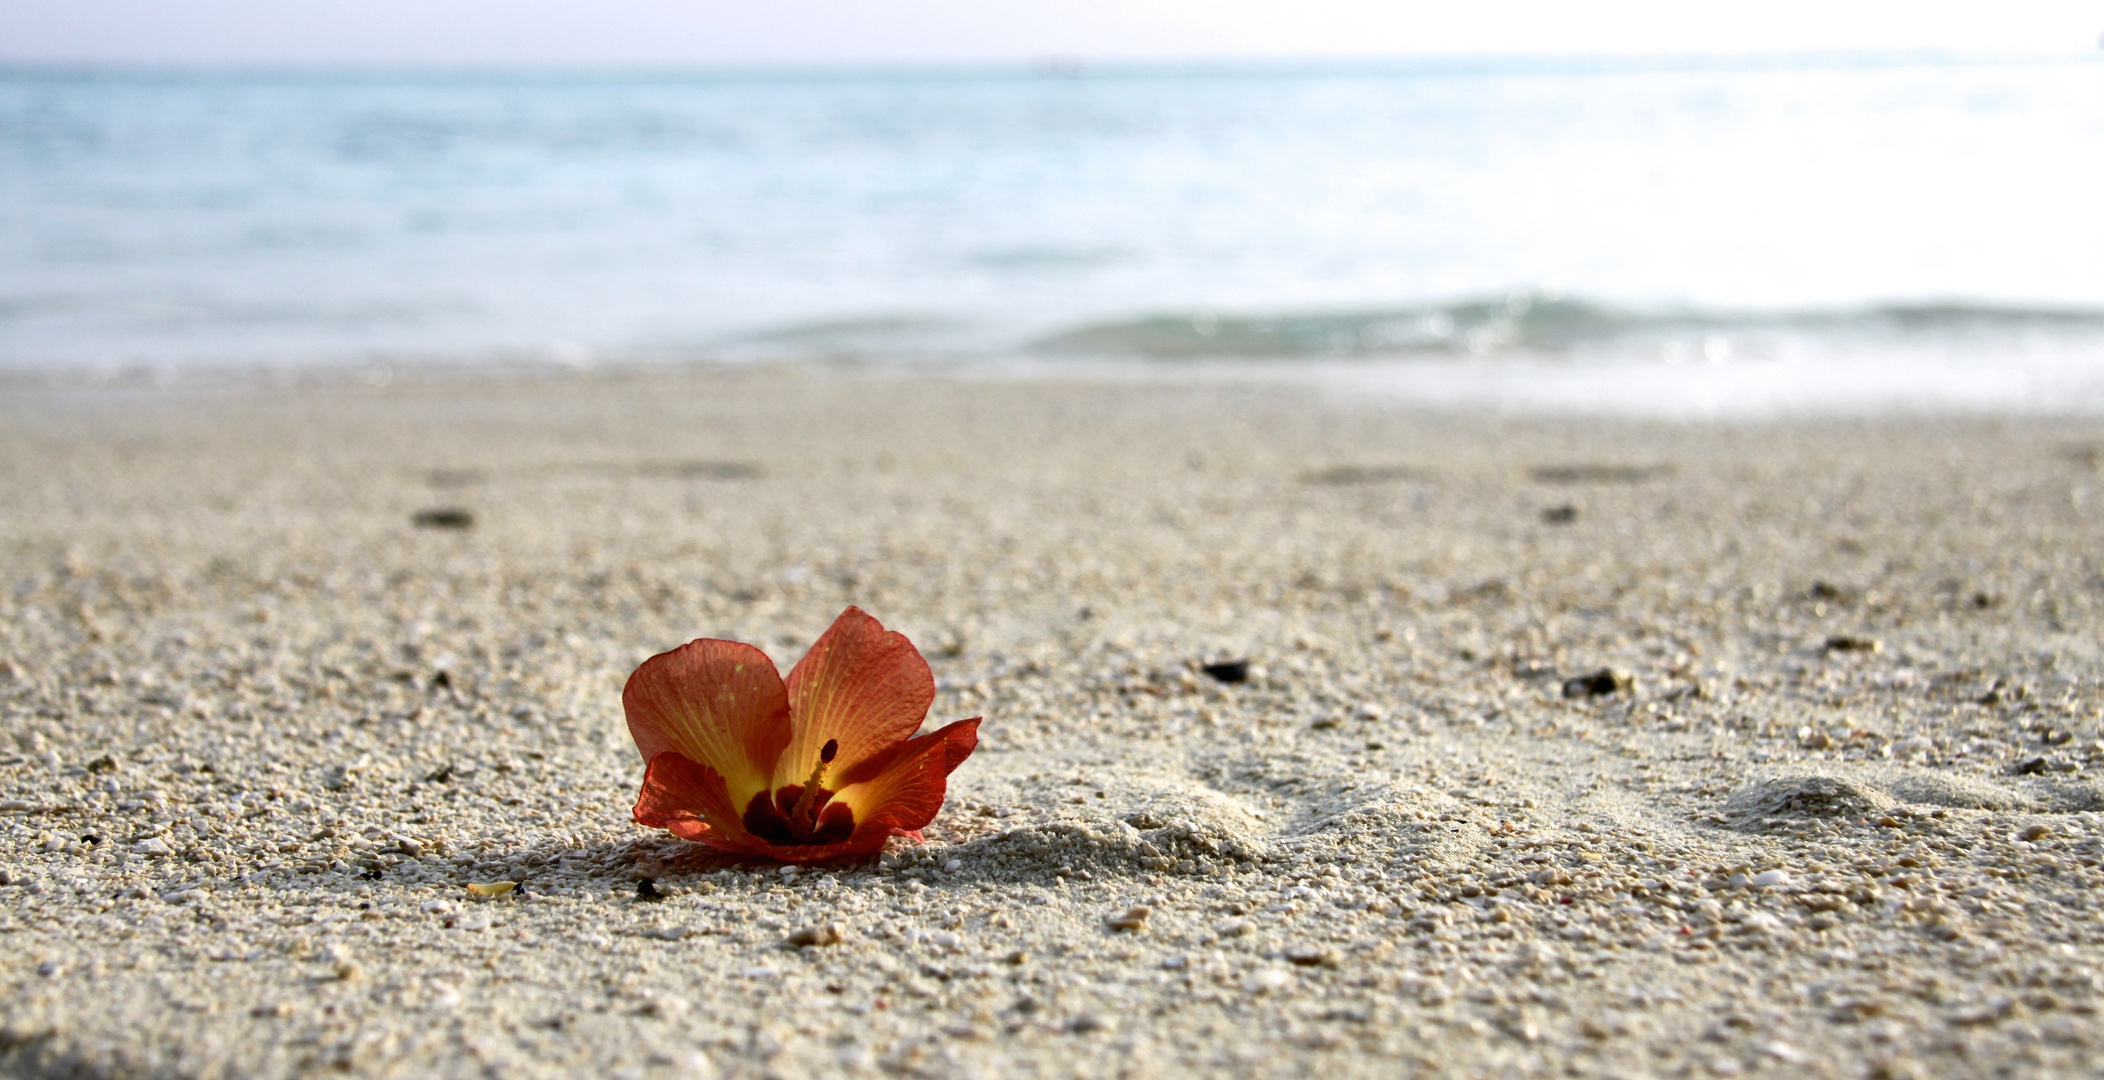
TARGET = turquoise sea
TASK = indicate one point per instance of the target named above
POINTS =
(1876, 222)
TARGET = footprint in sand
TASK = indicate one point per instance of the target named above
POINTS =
(1774, 802)
(1249, 815)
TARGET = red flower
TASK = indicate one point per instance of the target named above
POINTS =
(824, 766)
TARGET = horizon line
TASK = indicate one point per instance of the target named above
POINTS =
(1056, 66)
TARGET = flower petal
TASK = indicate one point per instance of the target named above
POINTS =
(718, 703)
(690, 801)
(862, 685)
(903, 791)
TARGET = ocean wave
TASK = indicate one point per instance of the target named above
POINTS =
(1538, 324)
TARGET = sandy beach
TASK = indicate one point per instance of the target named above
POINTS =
(1564, 746)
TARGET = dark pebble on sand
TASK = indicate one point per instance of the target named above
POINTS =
(443, 517)
(1597, 684)
(1228, 671)
(1559, 515)
(1845, 643)
(646, 889)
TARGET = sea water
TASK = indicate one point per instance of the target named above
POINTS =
(1505, 230)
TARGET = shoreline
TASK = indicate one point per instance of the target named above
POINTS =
(1646, 383)
(1835, 812)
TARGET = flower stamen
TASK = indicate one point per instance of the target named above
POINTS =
(801, 815)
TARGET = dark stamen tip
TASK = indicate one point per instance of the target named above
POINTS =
(832, 747)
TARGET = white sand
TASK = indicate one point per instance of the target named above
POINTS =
(261, 732)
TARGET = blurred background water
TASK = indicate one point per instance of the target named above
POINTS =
(1544, 214)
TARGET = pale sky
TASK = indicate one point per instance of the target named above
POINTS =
(763, 32)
